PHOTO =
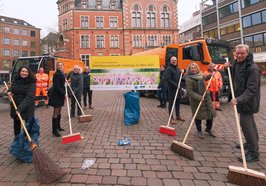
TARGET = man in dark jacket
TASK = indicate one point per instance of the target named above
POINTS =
(76, 83)
(86, 88)
(162, 92)
(172, 75)
(246, 83)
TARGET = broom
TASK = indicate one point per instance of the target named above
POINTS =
(83, 118)
(242, 175)
(166, 129)
(72, 137)
(47, 171)
(182, 148)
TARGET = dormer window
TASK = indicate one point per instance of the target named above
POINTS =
(25, 24)
(15, 22)
(3, 19)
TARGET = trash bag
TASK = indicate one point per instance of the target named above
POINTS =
(132, 108)
(20, 147)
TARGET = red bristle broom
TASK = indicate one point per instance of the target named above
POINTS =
(71, 137)
(47, 171)
(83, 118)
(166, 129)
(242, 175)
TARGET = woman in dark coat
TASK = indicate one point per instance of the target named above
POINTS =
(195, 85)
(57, 98)
(23, 90)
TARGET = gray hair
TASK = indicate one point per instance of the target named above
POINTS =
(242, 46)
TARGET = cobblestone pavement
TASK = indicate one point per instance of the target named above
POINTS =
(148, 160)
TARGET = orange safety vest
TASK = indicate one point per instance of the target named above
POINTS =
(42, 80)
(217, 81)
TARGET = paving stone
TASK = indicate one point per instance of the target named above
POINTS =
(79, 178)
(155, 182)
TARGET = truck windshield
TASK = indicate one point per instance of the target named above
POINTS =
(218, 53)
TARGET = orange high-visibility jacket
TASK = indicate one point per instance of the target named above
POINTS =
(217, 81)
(42, 80)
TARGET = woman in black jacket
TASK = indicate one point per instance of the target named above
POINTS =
(23, 90)
(57, 98)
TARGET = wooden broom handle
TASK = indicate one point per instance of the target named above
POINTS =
(19, 116)
(237, 122)
(192, 121)
(68, 111)
(173, 106)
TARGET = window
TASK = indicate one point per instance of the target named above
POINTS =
(32, 53)
(255, 40)
(258, 40)
(263, 15)
(114, 42)
(248, 41)
(136, 17)
(152, 41)
(165, 17)
(137, 41)
(7, 29)
(235, 42)
(246, 21)
(246, 3)
(151, 17)
(16, 53)
(230, 29)
(7, 41)
(211, 34)
(32, 33)
(24, 53)
(166, 40)
(228, 10)
(24, 43)
(65, 24)
(32, 44)
(6, 52)
(16, 31)
(254, 19)
(25, 32)
(99, 22)
(113, 22)
(99, 41)
(84, 22)
(16, 42)
(86, 59)
(84, 41)
(209, 19)
(264, 38)
(193, 53)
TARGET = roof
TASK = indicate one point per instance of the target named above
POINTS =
(14, 21)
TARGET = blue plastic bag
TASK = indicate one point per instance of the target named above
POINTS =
(132, 108)
(20, 147)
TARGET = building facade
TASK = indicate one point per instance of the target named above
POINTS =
(237, 21)
(114, 27)
(17, 39)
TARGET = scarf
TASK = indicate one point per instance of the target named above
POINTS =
(200, 81)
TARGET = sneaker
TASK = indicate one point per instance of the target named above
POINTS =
(249, 158)
(160, 106)
(180, 118)
(210, 133)
(200, 135)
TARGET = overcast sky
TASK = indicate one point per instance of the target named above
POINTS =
(43, 13)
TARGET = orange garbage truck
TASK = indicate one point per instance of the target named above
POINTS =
(201, 51)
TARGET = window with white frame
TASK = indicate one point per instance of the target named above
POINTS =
(65, 24)
(25, 32)
(16, 53)
(99, 22)
(84, 22)
(84, 41)
(165, 17)
(85, 58)
(100, 42)
(137, 41)
(16, 42)
(113, 22)
(152, 41)
(166, 40)
(24, 53)
(6, 52)
(16, 31)
(114, 42)
(7, 41)
(24, 43)
(7, 29)
(151, 22)
(136, 16)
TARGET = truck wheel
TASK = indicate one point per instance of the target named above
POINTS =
(183, 93)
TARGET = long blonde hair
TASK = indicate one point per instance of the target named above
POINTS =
(190, 65)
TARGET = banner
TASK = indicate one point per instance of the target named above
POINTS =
(125, 72)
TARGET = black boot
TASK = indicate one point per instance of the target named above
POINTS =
(59, 125)
(54, 127)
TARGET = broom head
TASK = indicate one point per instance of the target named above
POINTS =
(85, 118)
(47, 171)
(182, 149)
(70, 138)
(246, 177)
(167, 130)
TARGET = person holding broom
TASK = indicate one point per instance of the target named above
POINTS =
(246, 83)
(23, 90)
(57, 98)
(195, 85)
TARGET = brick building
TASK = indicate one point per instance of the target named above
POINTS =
(114, 27)
(17, 38)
